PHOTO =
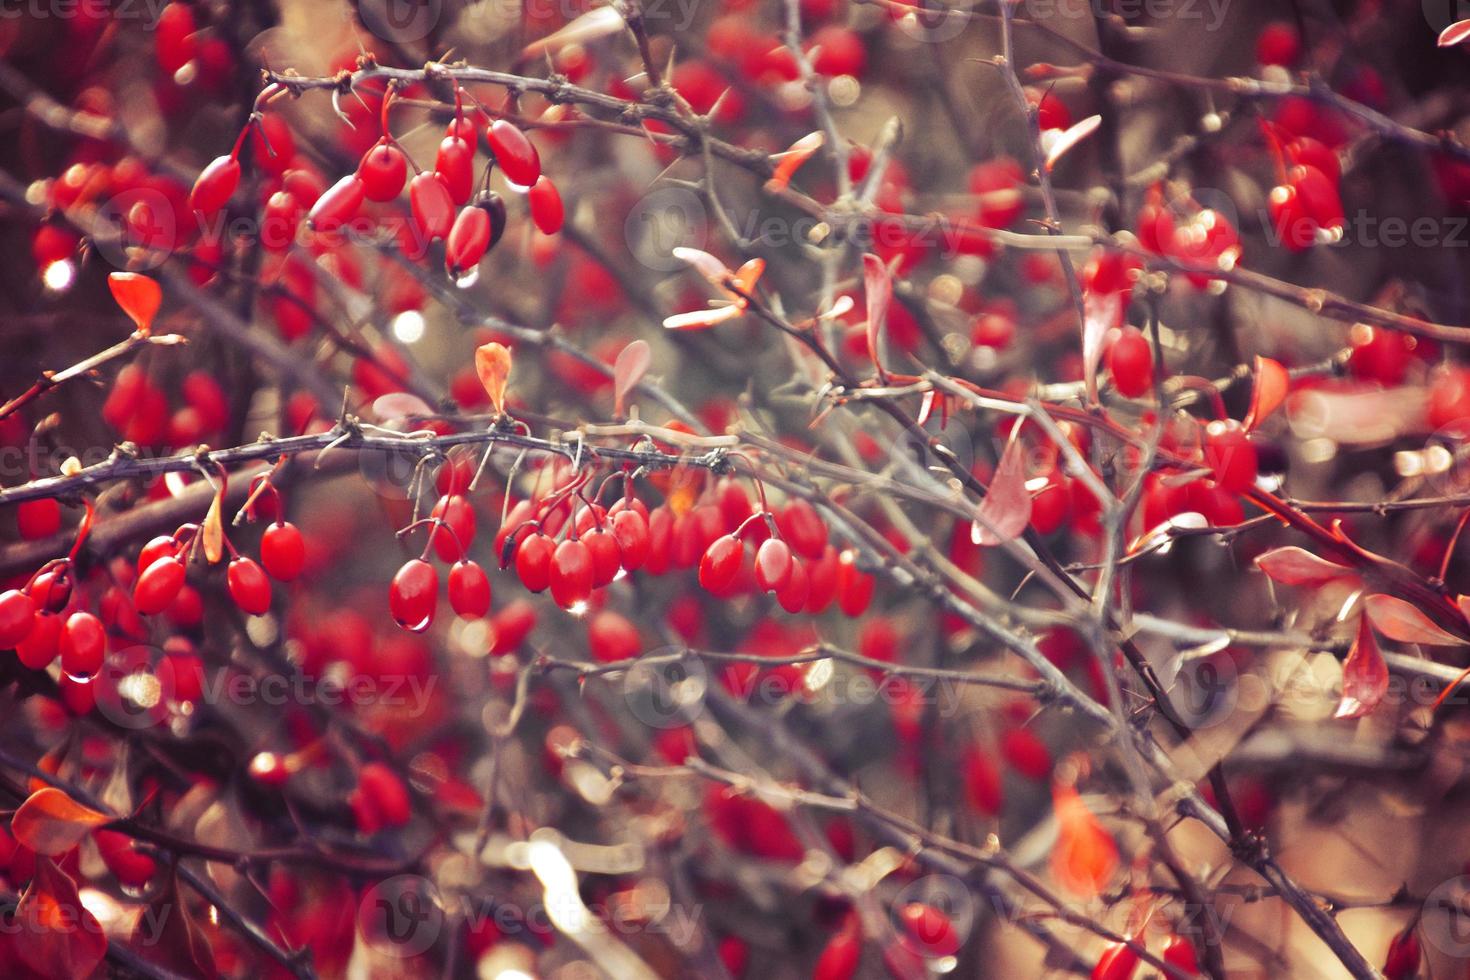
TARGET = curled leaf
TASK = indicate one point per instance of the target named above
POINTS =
(138, 296)
(1364, 676)
(701, 319)
(1269, 391)
(50, 822)
(1073, 135)
(878, 285)
(628, 370)
(800, 152)
(707, 265)
(1297, 566)
(1456, 33)
(1085, 856)
(212, 530)
(1006, 509)
(492, 364)
(1405, 622)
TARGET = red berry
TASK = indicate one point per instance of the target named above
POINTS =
(469, 238)
(822, 577)
(854, 586)
(515, 154)
(215, 186)
(840, 957)
(1117, 962)
(1131, 361)
(455, 165)
(546, 208)
(174, 44)
(38, 648)
(1228, 451)
(82, 643)
(773, 565)
(1026, 753)
(38, 519)
(339, 204)
(1278, 44)
(793, 595)
(611, 637)
(458, 533)
(511, 625)
(249, 587)
(383, 171)
(132, 867)
(17, 616)
(158, 585)
(930, 929)
(1179, 953)
(282, 551)
(721, 563)
(838, 51)
(802, 527)
(571, 574)
(432, 206)
(413, 594)
(983, 783)
(630, 530)
(469, 590)
(533, 561)
(381, 797)
(606, 556)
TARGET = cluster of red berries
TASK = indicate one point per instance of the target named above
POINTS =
(1306, 204)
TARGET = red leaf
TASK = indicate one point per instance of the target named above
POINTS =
(1456, 33)
(1364, 676)
(1403, 621)
(492, 364)
(1270, 391)
(61, 939)
(1006, 509)
(138, 296)
(1085, 855)
(628, 370)
(797, 154)
(51, 822)
(878, 284)
(1297, 566)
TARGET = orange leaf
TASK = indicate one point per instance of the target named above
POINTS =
(57, 936)
(1364, 676)
(701, 319)
(138, 296)
(1074, 134)
(212, 530)
(1405, 622)
(878, 285)
(1085, 856)
(800, 152)
(628, 370)
(50, 822)
(492, 364)
(1456, 33)
(1269, 392)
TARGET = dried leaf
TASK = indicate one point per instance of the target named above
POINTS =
(1364, 676)
(1006, 509)
(628, 370)
(138, 296)
(926, 407)
(878, 285)
(492, 364)
(1269, 392)
(1085, 856)
(701, 319)
(1405, 622)
(1074, 134)
(749, 274)
(800, 152)
(181, 945)
(1297, 566)
(596, 23)
(1101, 312)
(212, 531)
(60, 937)
(50, 822)
(1456, 33)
